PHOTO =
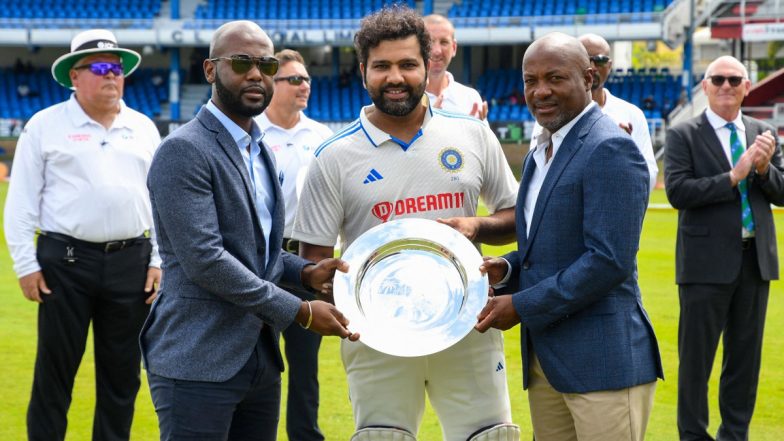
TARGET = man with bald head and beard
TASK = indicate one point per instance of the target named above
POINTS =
(628, 116)
(210, 343)
(590, 357)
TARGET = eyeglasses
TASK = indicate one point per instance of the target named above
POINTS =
(294, 80)
(242, 64)
(718, 80)
(600, 60)
(102, 68)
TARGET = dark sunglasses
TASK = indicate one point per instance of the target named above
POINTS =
(718, 80)
(241, 65)
(294, 80)
(102, 68)
(600, 60)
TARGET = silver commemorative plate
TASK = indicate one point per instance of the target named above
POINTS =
(413, 287)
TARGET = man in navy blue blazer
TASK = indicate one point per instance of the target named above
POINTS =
(590, 357)
(210, 343)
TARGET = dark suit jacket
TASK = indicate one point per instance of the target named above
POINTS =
(216, 292)
(578, 297)
(696, 177)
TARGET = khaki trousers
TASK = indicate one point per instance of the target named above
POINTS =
(613, 415)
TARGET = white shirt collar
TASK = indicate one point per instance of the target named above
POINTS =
(377, 136)
(79, 117)
(240, 136)
(559, 136)
(718, 122)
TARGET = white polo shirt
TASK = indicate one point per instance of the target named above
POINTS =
(458, 98)
(362, 177)
(73, 176)
(625, 112)
(293, 149)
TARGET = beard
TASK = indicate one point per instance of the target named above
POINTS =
(234, 102)
(596, 81)
(397, 108)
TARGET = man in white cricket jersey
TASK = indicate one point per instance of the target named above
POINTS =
(404, 159)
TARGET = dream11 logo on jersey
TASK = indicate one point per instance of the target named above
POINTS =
(419, 204)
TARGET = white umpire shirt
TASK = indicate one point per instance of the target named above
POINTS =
(73, 176)
(293, 149)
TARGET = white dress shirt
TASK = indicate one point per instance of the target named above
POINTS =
(73, 176)
(542, 167)
(293, 149)
(257, 170)
(723, 133)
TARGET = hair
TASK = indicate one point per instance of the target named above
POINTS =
(288, 55)
(726, 59)
(437, 19)
(394, 22)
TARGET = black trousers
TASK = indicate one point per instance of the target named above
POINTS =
(245, 407)
(106, 288)
(302, 347)
(735, 312)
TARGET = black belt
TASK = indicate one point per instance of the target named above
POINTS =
(106, 247)
(290, 245)
(747, 243)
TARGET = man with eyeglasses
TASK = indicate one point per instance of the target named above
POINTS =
(722, 170)
(293, 137)
(210, 344)
(79, 178)
(628, 116)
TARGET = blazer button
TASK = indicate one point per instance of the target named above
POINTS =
(526, 265)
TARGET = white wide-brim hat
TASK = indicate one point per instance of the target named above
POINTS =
(93, 41)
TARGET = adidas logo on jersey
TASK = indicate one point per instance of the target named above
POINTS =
(500, 367)
(373, 176)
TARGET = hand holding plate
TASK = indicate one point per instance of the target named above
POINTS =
(327, 320)
(499, 313)
(319, 277)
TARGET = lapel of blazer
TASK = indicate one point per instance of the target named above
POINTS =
(278, 214)
(529, 165)
(229, 147)
(712, 142)
(570, 145)
(752, 130)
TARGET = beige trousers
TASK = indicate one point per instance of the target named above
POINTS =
(612, 415)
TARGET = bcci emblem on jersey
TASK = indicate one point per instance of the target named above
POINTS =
(451, 159)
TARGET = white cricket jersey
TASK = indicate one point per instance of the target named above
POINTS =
(293, 149)
(362, 177)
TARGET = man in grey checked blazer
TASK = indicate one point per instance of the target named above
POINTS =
(210, 344)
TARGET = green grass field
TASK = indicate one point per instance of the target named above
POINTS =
(656, 266)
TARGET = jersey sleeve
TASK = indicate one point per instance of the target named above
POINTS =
(320, 211)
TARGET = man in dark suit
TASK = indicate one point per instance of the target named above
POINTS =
(722, 171)
(590, 357)
(210, 344)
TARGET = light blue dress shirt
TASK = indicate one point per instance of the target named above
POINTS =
(257, 169)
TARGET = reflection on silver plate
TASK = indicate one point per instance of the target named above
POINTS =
(413, 287)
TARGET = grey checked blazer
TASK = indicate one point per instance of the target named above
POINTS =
(217, 298)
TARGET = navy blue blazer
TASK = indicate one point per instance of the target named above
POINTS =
(578, 298)
(216, 294)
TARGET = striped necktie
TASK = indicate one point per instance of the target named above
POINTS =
(736, 149)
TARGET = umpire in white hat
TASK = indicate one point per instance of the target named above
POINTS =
(79, 181)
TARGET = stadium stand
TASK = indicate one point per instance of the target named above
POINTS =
(23, 94)
(290, 9)
(78, 13)
(554, 13)
(655, 91)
